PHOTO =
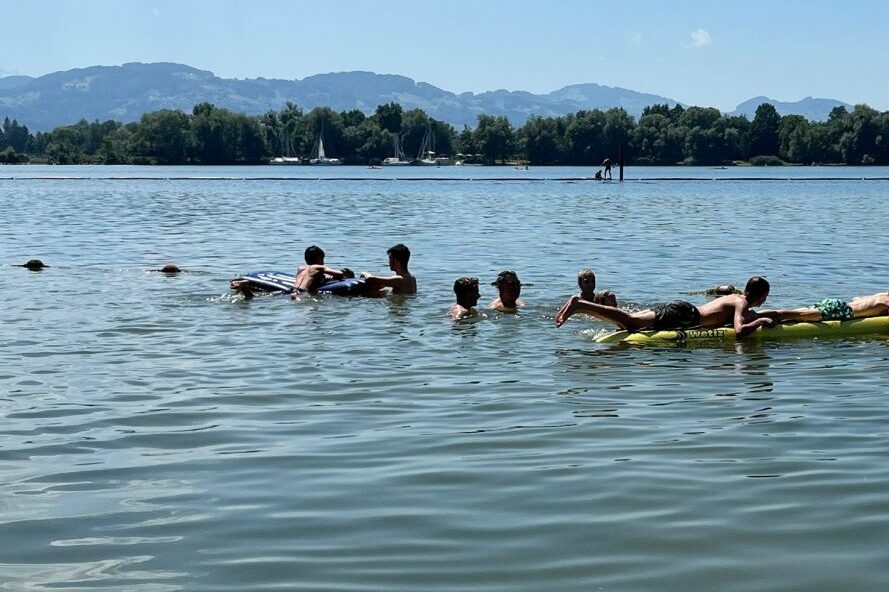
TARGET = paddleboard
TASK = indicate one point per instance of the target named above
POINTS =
(865, 326)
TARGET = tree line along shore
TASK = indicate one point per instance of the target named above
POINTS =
(662, 135)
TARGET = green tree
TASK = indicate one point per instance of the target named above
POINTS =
(443, 134)
(764, 131)
(290, 134)
(369, 143)
(858, 144)
(352, 118)
(62, 152)
(162, 137)
(618, 129)
(389, 117)
(15, 135)
(585, 138)
(539, 140)
(115, 146)
(8, 156)
(466, 144)
(214, 135)
(793, 139)
(494, 138)
(651, 140)
(702, 117)
(413, 128)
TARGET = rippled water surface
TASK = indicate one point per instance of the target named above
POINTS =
(158, 434)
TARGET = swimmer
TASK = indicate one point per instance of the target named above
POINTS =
(466, 289)
(243, 288)
(170, 268)
(314, 273)
(722, 290)
(510, 288)
(734, 309)
(400, 283)
(586, 281)
(33, 265)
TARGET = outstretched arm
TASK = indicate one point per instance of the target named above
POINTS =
(743, 329)
(377, 282)
(797, 314)
(336, 274)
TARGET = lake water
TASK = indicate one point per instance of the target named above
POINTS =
(157, 434)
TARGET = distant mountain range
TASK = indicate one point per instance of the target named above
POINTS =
(810, 108)
(124, 93)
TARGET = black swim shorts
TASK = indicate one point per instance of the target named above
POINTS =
(676, 315)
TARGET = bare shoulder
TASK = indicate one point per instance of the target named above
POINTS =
(408, 284)
(458, 312)
(724, 303)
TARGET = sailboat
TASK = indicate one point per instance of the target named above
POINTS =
(322, 159)
(286, 157)
(426, 156)
(398, 159)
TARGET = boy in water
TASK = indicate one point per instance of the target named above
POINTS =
(732, 310)
(33, 265)
(466, 289)
(586, 281)
(510, 288)
(314, 273)
(400, 283)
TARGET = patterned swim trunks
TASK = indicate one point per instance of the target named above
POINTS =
(833, 309)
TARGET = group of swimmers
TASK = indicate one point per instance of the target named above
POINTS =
(730, 307)
(315, 274)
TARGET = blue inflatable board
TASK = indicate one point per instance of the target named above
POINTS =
(281, 282)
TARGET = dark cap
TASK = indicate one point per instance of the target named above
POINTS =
(506, 277)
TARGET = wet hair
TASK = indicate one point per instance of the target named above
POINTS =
(507, 277)
(400, 253)
(723, 290)
(757, 286)
(170, 268)
(35, 264)
(464, 285)
(586, 272)
(314, 255)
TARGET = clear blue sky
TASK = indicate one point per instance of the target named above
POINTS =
(715, 53)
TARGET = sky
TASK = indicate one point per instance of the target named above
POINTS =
(717, 53)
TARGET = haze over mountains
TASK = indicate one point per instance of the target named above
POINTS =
(124, 93)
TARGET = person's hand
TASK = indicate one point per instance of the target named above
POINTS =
(768, 322)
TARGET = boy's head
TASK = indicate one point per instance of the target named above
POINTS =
(466, 289)
(508, 284)
(314, 255)
(35, 265)
(757, 290)
(399, 253)
(586, 280)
